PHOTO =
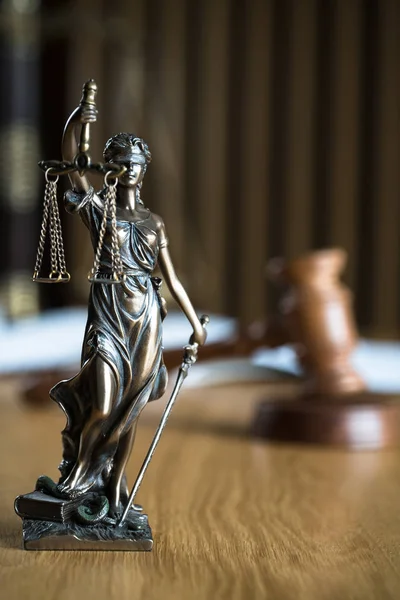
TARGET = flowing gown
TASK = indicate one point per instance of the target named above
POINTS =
(123, 329)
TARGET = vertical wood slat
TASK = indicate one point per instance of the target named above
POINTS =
(279, 102)
(370, 32)
(345, 132)
(153, 109)
(209, 261)
(235, 151)
(324, 108)
(301, 124)
(124, 68)
(386, 262)
(191, 152)
(254, 163)
(170, 140)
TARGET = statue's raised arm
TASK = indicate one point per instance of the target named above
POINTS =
(80, 119)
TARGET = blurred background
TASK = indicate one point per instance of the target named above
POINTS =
(274, 128)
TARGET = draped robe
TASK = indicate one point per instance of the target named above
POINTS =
(123, 329)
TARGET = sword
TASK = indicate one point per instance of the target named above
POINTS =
(189, 358)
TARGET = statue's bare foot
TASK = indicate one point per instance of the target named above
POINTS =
(77, 482)
(118, 497)
(124, 490)
(114, 499)
(114, 511)
(65, 468)
(67, 491)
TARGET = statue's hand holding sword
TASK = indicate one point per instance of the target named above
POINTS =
(189, 358)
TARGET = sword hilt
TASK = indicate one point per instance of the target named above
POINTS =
(190, 351)
(88, 100)
(204, 320)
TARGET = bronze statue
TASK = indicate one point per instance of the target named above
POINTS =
(122, 364)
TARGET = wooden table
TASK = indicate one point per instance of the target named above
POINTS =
(233, 517)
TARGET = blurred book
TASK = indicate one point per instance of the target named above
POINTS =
(19, 174)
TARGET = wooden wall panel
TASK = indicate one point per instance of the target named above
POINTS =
(274, 126)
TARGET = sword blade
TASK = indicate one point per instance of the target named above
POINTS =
(183, 371)
(189, 358)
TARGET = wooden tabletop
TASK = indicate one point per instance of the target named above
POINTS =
(232, 517)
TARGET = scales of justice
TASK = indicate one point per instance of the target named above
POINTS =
(122, 368)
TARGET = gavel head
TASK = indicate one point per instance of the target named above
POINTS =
(320, 266)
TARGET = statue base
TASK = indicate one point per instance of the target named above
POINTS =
(359, 421)
(48, 524)
(133, 536)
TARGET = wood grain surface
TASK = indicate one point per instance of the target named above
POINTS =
(232, 517)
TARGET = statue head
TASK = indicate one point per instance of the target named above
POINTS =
(126, 147)
(132, 152)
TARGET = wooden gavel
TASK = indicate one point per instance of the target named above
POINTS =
(315, 316)
(332, 405)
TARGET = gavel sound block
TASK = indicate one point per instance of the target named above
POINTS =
(316, 318)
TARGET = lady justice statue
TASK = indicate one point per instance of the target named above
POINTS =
(122, 364)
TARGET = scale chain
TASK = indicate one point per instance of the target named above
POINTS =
(58, 235)
(43, 229)
(116, 256)
(102, 233)
(53, 237)
(109, 210)
(51, 224)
